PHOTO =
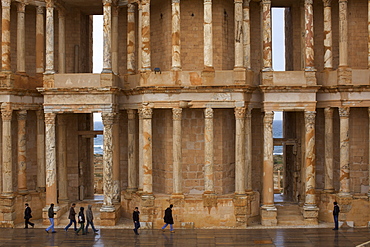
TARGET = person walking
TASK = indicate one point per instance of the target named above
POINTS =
(51, 219)
(81, 221)
(168, 220)
(89, 219)
(72, 217)
(136, 219)
(336, 211)
(27, 217)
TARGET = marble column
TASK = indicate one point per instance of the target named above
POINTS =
(147, 114)
(176, 41)
(131, 41)
(248, 149)
(145, 36)
(368, 193)
(208, 36)
(309, 36)
(62, 42)
(368, 45)
(267, 35)
(329, 151)
(239, 150)
(238, 26)
(328, 41)
(21, 37)
(131, 143)
(343, 33)
(62, 158)
(208, 151)
(116, 159)
(40, 151)
(115, 12)
(247, 35)
(40, 36)
(344, 150)
(5, 35)
(49, 67)
(50, 153)
(139, 35)
(107, 36)
(141, 148)
(22, 151)
(108, 118)
(310, 159)
(7, 166)
(177, 151)
(268, 160)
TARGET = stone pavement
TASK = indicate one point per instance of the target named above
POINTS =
(182, 237)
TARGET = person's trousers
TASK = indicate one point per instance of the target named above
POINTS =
(70, 223)
(171, 226)
(137, 226)
(336, 221)
(92, 226)
(27, 222)
(51, 225)
(82, 227)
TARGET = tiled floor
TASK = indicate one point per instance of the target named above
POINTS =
(198, 237)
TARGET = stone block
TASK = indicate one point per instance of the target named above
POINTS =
(269, 216)
(187, 225)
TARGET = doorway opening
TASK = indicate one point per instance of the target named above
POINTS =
(278, 155)
(98, 155)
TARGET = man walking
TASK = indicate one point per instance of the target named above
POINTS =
(71, 217)
(168, 220)
(336, 211)
(89, 219)
(27, 217)
(81, 221)
(136, 219)
(51, 219)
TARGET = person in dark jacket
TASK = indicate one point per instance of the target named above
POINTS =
(27, 217)
(51, 219)
(89, 219)
(72, 217)
(336, 211)
(81, 221)
(168, 220)
(136, 219)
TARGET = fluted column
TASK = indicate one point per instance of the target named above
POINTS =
(239, 150)
(62, 42)
(7, 166)
(115, 12)
(208, 151)
(176, 46)
(40, 36)
(141, 148)
(107, 36)
(108, 118)
(131, 145)
(329, 137)
(328, 41)
(238, 26)
(50, 153)
(5, 35)
(116, 159)
(208, 35)
(309, 35)
(267, 35)
(147, 114)
(268, 161)
(21, 37)
(310, 159)
(22, 151)
(131, 41)
(344, 150)
(40, 150)
(145, 36)
(177, 147)
(49, 69)
(248, 149)
(62, 159)
(343, 33)
(247, 35)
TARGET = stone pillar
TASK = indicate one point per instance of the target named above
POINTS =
(116, 159)
(62, 159)
(177, 154)
(21, 37)
(368, 193)
(108, 118)
(208, 151)
(139, 35)
(50, 153)
(267, 35)
(309, 35)
(248, 149)
(208, 36)
(141, 148)
(368, 27)
(328, 41)
(131, 143)
(247, 35)
(145, 36)
(239, 151)
(131, 41)
(309, 118)
(22, 151)
(115, 13)
(147, 114)
(343, 34)
(238, 26)
(107, 36)
(49, 69)
(344, 151)
(40, 36)
(329, 137)
(62, 42)
(7, 166)
(176, 46)
(5, 35)
(40, 151)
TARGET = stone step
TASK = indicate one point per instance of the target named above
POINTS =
(289, 214)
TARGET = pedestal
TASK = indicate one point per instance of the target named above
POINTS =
(269, 216)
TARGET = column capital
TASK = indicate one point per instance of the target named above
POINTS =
(49, 3)
(309, 118)
(239, 112)
(177, 114)
(343, 112)
(207, 1)
(107, 2)
(146, 112)
(327, 3)
(40, 114)
(328, 111)
(22, 115)
(266, 2)
(269, 117)
(246, 3)
(108, 118)
(208, 113)
(5, 3)
(175, 1)
(238, 1)
(131, 113)
(40, 10)
(131, 8)
(50, 118)
(308, 2)
(21, 7)
(6, 112)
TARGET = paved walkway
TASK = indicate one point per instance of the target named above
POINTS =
(199, 237)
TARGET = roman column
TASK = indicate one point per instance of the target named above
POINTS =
(238, 26)
(328, 41)
(368, 193)
(343, 34)
(116, 159)
(21, 37)
(344, 150)
(40, 36)
(248, 148)
(329, 137)
(40, 125)
(107, 36)
(268, 161)
(368, 45)
(22, 151)
(208, 151)
(7, 166)
(139, 35)
(267, 35)
(177, 148)
(176, 41)
(5, 35)
(115, 12)
(309, 35)
(310, 159)
(131, 145)
(145, 36)
(131, 41)
(239, 150)
(141, 148)
(62, 159)
(208, 36)
(247, 35)
(50, 153)
(147, 114)
(62, 42)
(49, 67)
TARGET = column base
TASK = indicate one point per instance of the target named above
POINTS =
(241, 209)
(311, 214)
(7, 211)
(269, 215)
(344, 75)
(329, 191)
(109, 215)
(239, 76)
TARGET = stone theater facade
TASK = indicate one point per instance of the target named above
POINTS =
(187, 96)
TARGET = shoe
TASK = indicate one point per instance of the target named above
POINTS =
(96, 230)
(335, 228)
(33, 226)
(172, 231)
(163, 230)
(53, 232)
(137, 233)
(46, 231)
(26, 228)
(65, 229)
